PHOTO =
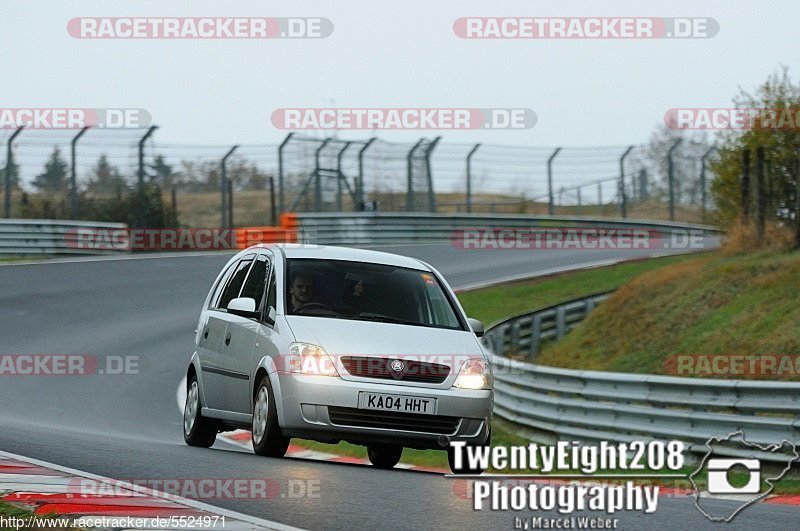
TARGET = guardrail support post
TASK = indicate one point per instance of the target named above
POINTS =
(671, 179)
(74, 175)
(225, 209)
(410, 176)
(281, 198)
(623, 207)
(469, 177)
(10, 171)
(140, 176)
(550, 206)
(360, 182)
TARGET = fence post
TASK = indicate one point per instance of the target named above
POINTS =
(74, 175)
(230, 204)
(469, 177)
(429, 174)
(281, 198)
(744, 192)
(10, 171)
(703, 194)
(410, 176)
(140, 175)
(600, 198)
(623, 207)
(578, 210)
(339, 176)
(643, 195)
(671, 179)
(318, 176)
(173, 196)
(761, 195)
(360, 184)
(550, 207)
(273, 214)
(226, 193)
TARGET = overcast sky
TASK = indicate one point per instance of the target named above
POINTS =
(394, 54)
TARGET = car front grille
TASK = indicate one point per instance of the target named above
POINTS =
(363, 418)
(412, 370)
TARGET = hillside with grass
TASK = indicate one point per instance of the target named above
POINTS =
(744, 304)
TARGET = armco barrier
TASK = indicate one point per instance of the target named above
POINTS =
(522, 335)
(30, 237)
(366, 228)
(595, 405)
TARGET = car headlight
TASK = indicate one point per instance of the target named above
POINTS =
(311, 359)
(474, 374)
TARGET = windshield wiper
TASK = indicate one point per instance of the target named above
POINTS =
(384, 319)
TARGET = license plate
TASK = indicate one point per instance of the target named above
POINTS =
(399, 403)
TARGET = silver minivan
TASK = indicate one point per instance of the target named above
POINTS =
(336, 344)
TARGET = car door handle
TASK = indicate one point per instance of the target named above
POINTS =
(205, 332)
(227, 339)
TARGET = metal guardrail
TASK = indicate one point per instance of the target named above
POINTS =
(366, 228)
(595, 405)
(30, 237)
(524, 334)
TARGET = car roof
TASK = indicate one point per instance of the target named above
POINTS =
(351, 254)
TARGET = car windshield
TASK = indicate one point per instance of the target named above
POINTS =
(368, 292)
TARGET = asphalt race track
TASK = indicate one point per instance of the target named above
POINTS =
(128, 427)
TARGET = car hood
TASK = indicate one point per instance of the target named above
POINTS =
(340, 337)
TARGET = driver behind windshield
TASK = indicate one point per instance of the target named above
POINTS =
(301, 290)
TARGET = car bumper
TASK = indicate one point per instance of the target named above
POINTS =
(326, 409)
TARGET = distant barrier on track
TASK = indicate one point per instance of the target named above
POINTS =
(366, 228)
(31, 237)
(595, 405)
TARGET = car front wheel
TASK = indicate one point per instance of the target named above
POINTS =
(267, 437)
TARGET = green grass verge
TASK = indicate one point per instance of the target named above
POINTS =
(500, 302)
(715, 304)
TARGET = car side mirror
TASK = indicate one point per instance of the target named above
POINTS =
(476, 326)
(271, 314)
(243, 306)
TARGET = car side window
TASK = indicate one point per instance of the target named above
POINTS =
(272, 294)
(223, 281)
(254, 286)
(235, 283)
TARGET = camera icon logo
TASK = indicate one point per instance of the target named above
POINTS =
(718, 482)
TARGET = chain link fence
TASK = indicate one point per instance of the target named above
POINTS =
(248, 185)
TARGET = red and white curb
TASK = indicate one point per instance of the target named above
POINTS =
(49, 489)
(242, 439)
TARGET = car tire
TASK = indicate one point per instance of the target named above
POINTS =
(197, 430)
(384, 455)
(268, 440)
(465, 469)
